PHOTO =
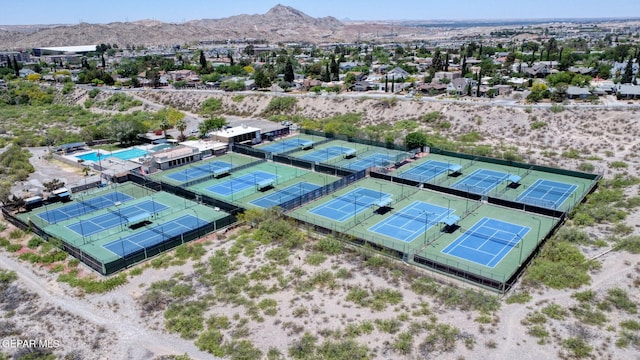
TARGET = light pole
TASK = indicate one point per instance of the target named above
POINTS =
(539, 226)
(521, 244)
(426, 225)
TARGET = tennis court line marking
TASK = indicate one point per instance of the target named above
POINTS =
(499, 255)
(540, 183)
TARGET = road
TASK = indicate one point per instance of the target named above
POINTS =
(606, 103)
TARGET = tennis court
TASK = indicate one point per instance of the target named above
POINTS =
(412, 221)
(350, 204)
(237, 184)
(286, 145)
(547, 193)
(153, 235)
(327, 153)
(80, 207)
(116, 217)
(376, 159)
(429, 170)
(284, 195)
(481, 181)
(198, 171)
(487, 242)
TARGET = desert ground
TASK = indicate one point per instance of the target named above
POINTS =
(308, 290)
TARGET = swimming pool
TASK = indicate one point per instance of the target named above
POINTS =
(124, 155)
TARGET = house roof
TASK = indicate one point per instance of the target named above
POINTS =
(628, 89)
(577, 91)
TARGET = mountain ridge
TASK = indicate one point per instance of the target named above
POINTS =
(280, 23)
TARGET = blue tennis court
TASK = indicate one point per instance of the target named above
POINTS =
(284, 195)
(199, 171)
(116, 217)
(487, 242)
(481, 181)
(429, 170)
(286, 145)
(81, 207)
(412, 221)
(232, 186)
(154, 235)
(376, 159)
(547, 193)
(350, 204)
(327, 153)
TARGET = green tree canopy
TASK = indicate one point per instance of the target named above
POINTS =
(415, 140)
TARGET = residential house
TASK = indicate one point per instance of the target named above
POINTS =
(348, 65)
(628, 91)
(26, 72)
(575, 92)
(582, 70)
(503, 89)
(461, 86)
(540, 69)
(362, 86)
(432, 89)
(397, 73)
(439, 75)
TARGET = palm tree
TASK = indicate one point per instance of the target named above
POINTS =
(181, 125)
(164, 125)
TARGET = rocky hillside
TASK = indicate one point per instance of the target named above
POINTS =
(281, 23)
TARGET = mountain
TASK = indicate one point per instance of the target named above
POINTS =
(281, 23)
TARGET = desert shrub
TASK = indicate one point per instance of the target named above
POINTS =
(278, 105)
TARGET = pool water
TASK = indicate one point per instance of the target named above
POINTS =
(161, 147)
(124, 155)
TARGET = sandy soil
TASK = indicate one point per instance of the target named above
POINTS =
(601, 136)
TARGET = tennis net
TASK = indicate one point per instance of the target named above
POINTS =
(550, 190)
(498, 240)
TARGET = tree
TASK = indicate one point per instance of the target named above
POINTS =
(215, 123)
(203, 60)
(230, 56)
(627, 76)
(415, 140)
(16, 67)
(164, 125)
(349, 80)
(261, 79)
(288, 71)
(181, 125)
(335, 69)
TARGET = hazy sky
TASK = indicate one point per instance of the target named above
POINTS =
(104, 11)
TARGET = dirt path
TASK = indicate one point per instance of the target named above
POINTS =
(134, 340)
(511, 331)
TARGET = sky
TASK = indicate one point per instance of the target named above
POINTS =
(176, 11)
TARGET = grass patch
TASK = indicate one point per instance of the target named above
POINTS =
(316, 258)
(91, 285)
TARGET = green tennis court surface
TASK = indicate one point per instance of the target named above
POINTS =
(83, 206)
(286, 145)
(487, 242)
(547, 193)
(153, 236)
(429, 170)
(345, 206)
(116, 217)
(322, 155)
(201, 170)
(412, 221)
(283, 195)
(240, 183)
(481, 181)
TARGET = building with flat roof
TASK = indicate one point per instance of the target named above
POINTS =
(237, 135)
(174, 156)
(59, 50)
